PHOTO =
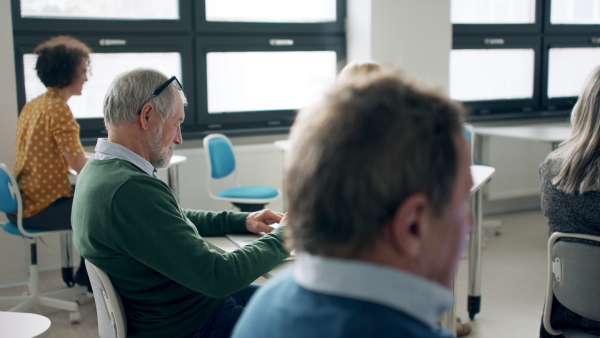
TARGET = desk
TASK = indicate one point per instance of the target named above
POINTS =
(481, 175)
(19, 324)
(552, 133)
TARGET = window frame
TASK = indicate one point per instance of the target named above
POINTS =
(548, 36)
(566, 41)
(72, 26)
(203, 26)
(181, 36)
(467, 29)
(271, 118)
(489, 109)
(566, 28)
(93, 127)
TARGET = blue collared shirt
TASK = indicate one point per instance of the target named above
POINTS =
(106, 150)
(420, 298)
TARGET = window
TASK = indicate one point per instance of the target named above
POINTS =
(246, 66)
(522, 58)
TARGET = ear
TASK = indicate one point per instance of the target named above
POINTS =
(144, 117)
(408, 226)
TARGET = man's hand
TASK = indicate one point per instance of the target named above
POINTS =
(259, 221)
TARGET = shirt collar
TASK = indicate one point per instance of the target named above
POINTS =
(106, 150)
(417, 297)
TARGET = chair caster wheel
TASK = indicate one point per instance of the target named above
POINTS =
(74, 317)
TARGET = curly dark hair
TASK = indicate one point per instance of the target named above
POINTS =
(58, 59)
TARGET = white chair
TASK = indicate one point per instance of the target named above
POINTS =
(10, 202)
(111, 314)
(221, 165)
(573, 275)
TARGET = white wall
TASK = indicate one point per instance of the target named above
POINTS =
(13, 254)
(417, 35)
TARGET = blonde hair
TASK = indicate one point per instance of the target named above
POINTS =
(578, 158)
(354, 69)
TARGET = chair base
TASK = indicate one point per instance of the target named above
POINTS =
(57, 299)
(249, 207)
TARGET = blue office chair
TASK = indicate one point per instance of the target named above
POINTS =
(573, 274)
(221, 165)
(10, 202)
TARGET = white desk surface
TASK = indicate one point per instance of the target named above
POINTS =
(19, 324)
(481, 175)
(543, 132)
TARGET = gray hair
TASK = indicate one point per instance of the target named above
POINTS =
(578, 158)
(129, 91)
(369, 144)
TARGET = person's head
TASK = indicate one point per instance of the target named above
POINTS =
(357, 68)
(147, 100)
(579, 155)
(63, 63)
(380, 163)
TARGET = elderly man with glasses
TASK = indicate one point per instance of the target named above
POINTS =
(128, 223)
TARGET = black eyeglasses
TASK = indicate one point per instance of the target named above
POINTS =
(160, 89)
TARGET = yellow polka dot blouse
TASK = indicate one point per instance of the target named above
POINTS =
(46, 130)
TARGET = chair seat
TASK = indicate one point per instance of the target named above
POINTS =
(13, 229)
(249, 192)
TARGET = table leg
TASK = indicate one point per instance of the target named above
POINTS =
(474, 298)
(449, 317)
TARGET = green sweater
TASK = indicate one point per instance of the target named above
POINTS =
(130, 225)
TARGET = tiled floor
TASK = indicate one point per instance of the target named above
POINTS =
(513, 285)
(513, 281)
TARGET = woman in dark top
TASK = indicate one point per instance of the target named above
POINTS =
(570, 188)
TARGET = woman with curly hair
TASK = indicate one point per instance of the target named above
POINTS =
(47, 141)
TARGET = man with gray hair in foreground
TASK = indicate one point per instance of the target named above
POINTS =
(378, 186)
(128, 223)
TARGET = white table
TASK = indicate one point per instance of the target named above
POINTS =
(552, 133)
(19, 324)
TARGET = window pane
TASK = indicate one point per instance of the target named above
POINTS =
(575, 12)
(255, 81)
(568, 68)
(491, 74)
(296, 11)
(493, 11)
(101, 9)
(104, 68)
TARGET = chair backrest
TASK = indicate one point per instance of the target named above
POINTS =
(470, 134)
(111, 315)
(574, 272)
(10, 196)
(219, 155)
